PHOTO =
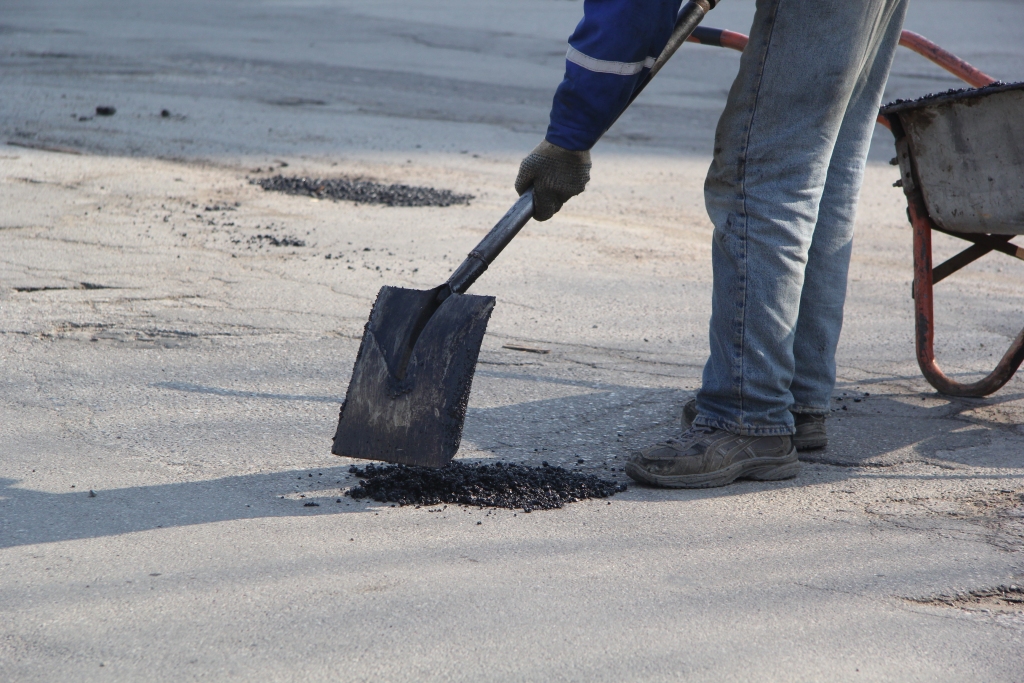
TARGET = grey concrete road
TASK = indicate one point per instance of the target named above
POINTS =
(156, 352)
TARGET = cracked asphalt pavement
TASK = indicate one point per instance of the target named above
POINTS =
(175, 342)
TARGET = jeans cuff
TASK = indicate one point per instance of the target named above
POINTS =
(733, 428)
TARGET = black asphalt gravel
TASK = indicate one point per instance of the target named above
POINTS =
(273, 241)
(362, 191)
(498, 485)
(927, 99)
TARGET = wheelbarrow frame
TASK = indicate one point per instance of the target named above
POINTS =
(925, 275)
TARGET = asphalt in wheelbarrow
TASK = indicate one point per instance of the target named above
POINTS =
(951, 94)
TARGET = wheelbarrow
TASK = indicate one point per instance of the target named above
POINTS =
(961, 159)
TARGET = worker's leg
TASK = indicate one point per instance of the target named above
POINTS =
(797, 76)
(824, 292)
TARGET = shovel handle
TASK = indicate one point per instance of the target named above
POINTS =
(689, 17)
(522, 211)
(492, 244)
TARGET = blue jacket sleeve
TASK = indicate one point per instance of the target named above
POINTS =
(612, 49)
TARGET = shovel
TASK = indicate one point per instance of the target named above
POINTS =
(406, 402)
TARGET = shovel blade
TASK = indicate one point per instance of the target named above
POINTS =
(412, 415)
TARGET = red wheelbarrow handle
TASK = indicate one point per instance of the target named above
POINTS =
(908, 39)
(947, 60)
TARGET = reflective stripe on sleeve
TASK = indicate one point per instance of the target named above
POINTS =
(602, 66)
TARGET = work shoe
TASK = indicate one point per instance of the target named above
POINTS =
(810, 429)
(706, 457)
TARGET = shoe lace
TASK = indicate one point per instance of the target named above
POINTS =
(693, 433)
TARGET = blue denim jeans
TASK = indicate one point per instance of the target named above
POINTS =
(782, 192)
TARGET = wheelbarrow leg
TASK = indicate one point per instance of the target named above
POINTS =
(924, 317)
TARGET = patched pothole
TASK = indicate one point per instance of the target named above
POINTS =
(1003, 600)
(996, 517)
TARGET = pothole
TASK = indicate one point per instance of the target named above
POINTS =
(108, 333)
(497, 485)
(362, 191)
(54, 288)
(1004, 599)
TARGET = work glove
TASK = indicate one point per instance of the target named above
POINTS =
(556, 174)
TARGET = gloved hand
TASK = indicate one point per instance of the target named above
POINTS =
(556, 174)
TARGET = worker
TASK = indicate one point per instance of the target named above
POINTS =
(781, 192)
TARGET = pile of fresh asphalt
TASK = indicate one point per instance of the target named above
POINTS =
(361, 191)
(498, 485)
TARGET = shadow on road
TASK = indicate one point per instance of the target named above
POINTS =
(32, 516)
(600, 426)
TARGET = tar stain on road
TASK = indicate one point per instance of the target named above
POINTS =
(499, 485)
(362, 191)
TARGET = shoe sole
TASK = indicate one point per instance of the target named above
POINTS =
(808, 437)
(759, 469)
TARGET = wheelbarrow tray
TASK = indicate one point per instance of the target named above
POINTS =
(968, 150)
